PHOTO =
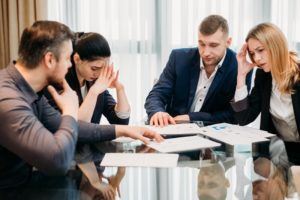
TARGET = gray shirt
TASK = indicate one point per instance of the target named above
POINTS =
(32, 133)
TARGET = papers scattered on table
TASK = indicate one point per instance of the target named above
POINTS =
(183, 144)
(296, 177)
(227, 133)
(140, 160)
(252, 131)
(177, 129)
(235, 135)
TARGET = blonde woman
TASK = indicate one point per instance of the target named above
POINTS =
(276, 93)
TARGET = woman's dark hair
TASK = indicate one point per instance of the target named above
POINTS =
(91, 46)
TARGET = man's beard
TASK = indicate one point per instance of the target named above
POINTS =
(214, 62)
(57, 84)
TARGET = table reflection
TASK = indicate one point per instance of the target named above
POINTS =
(219, 173)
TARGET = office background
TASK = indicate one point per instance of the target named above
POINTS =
(141, 34)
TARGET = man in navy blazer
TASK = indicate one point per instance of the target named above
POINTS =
(197, 84)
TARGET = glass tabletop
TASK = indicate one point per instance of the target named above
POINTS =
(219, 173)
(225, 172)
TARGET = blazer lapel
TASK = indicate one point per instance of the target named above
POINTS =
(216, 82)
(296, 105)
(194, 78)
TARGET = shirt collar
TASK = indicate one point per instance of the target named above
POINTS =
(22, 84)
(218, 65)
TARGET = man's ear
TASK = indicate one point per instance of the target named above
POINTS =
(49, 60)
(228, 42)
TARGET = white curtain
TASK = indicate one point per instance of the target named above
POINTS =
(286, 15)
(129, 27)
(142, 33)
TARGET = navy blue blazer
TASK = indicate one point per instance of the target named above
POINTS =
(176, 88)
(105, 102)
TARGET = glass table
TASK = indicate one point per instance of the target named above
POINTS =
(220, 173)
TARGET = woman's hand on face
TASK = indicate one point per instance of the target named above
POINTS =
(244, 66)
(116, 83)
(105, 79)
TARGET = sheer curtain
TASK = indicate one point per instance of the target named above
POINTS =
(142, 34)
(129, 27)
(286, 15)
(15, 15)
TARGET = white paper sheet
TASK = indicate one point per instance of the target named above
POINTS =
(140, 160)
(233, 135)
(177, 129)
(252, 131)
(183, 144)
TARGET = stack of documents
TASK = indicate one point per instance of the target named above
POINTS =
(235, 135)
(140, 160)
(181, 144)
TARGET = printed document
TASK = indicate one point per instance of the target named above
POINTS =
(234, 135)
(183, 144)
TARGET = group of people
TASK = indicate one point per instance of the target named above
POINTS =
(54, 95)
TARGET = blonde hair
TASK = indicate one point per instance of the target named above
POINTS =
(284, 64)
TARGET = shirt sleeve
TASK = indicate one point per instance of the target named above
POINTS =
(240, 93)
(122, 115)
(25, 134)
(109, 104)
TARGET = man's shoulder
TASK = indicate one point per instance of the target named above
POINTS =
(185, 54)
(186, 51)
(8, 87)
(230, 61)
(230, 55)
(6, 82)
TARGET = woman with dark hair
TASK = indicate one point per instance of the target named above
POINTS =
(91, 75)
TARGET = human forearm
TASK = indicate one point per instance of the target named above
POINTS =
(87, 107)
(241, 81)
(91, 133)
(122, 101)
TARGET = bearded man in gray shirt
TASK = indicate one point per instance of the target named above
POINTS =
(32, 133)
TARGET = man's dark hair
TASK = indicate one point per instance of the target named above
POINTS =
(40, 38)
(91, 46)
(212, 23)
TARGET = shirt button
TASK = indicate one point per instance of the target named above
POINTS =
(200, 99)
(204, 87)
